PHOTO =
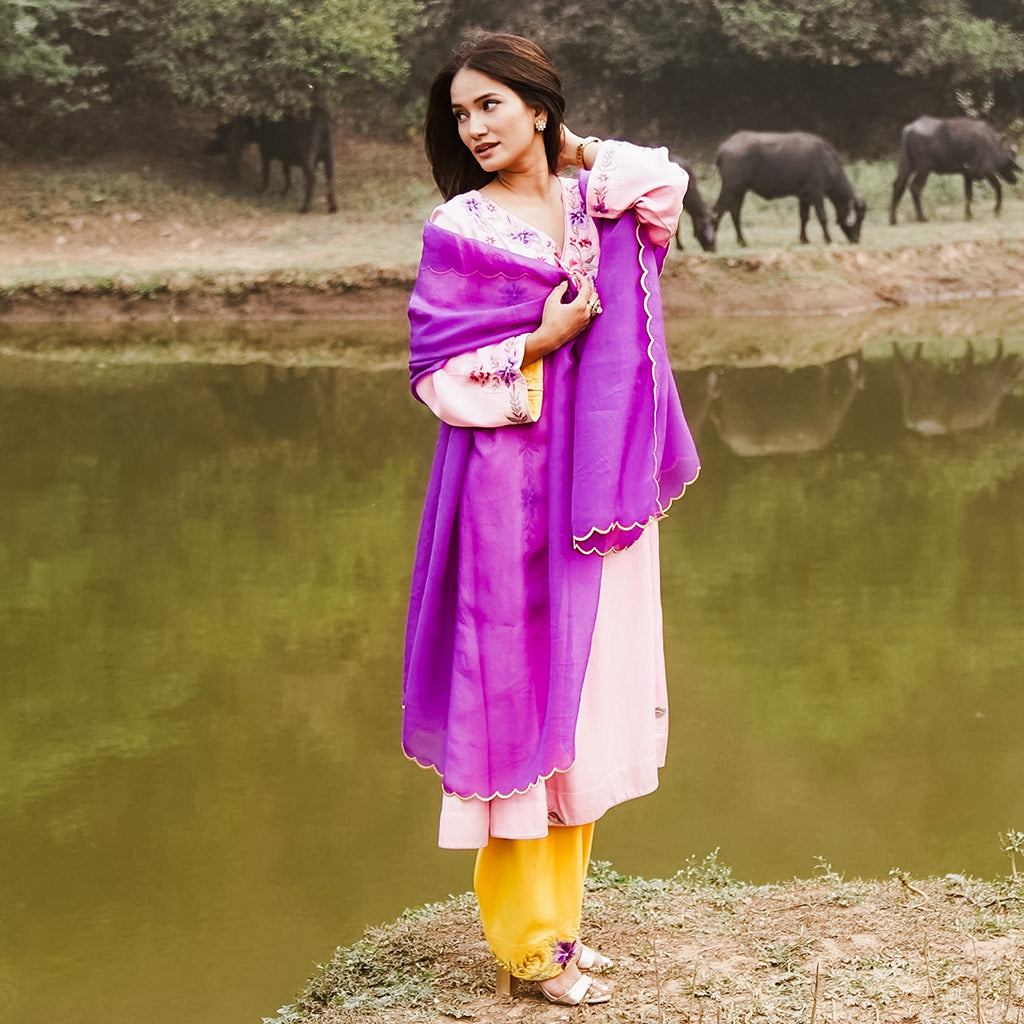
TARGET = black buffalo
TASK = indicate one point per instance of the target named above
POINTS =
(700, 214)
(951, 145)
(777, 164)
(295, 142)
(230, 139)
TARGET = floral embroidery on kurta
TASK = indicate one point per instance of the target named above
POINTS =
(502, 370)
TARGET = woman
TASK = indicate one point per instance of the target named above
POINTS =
(534, 677)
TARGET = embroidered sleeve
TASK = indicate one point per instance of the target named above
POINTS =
(487, 387)
(627, 177)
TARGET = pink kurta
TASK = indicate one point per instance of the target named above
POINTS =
(622, 727)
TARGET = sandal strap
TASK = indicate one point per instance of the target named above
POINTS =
(578, 992)
(591, 960)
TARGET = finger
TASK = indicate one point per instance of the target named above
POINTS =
(584, 289)
(558, 292)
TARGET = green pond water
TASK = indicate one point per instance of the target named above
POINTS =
(203, 574)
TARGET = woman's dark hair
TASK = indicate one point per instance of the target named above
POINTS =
(515, 62)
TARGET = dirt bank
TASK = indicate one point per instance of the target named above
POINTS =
(839, 280)
(701, 947)
(236, 274)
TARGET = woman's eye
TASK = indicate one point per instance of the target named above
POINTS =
(488, 104)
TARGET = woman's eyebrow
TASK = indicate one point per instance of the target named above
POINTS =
(479, 99)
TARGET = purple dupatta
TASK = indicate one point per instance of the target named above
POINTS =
(507, 571)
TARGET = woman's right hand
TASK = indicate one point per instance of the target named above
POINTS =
(562, 321)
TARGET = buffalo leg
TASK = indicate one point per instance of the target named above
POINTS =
(994, 181)
(734, 212)
(265, 160)
(733, 205)
(819, 209)
(234, 143)
(287, 167)
(805, 213)
(968, 195)
(332, 203)
(309, 177)
(898, 187)
(916, 185)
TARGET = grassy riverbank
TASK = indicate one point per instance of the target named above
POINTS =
(703, 946)
(153, 237)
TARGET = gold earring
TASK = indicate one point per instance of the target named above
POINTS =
(540, 124)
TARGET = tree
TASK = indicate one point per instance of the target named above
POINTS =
(969, 50)
(917, 39)
(38, 69)
(267, 56)
(233, 56)
(826, 32)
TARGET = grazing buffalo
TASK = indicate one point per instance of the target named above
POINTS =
(295, 142)
(776, 164)
(939, 400)
(951, 145)
(766, 410)
(700, 214)
(303, 143)
(230, 139)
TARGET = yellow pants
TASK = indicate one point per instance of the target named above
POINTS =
(531, 897)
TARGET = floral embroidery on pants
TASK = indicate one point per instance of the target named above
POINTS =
(543, 964)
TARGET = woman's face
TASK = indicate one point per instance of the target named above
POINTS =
(494, 123)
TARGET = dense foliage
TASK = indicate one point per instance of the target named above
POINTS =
(691, 68)
(695, 69)
(231, 57)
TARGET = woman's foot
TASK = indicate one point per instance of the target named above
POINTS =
(571, 988)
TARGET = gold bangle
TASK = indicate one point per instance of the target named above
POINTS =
(582, 146)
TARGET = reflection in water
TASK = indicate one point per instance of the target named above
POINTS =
(766, 410)
(201, 604)
(203, 576)
(945, 400)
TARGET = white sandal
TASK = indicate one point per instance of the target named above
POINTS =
(591, 960)
(584, 989)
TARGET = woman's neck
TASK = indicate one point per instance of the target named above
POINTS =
(532, 184)
(534, 198)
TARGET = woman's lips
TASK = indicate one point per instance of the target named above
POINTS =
(485, 148)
